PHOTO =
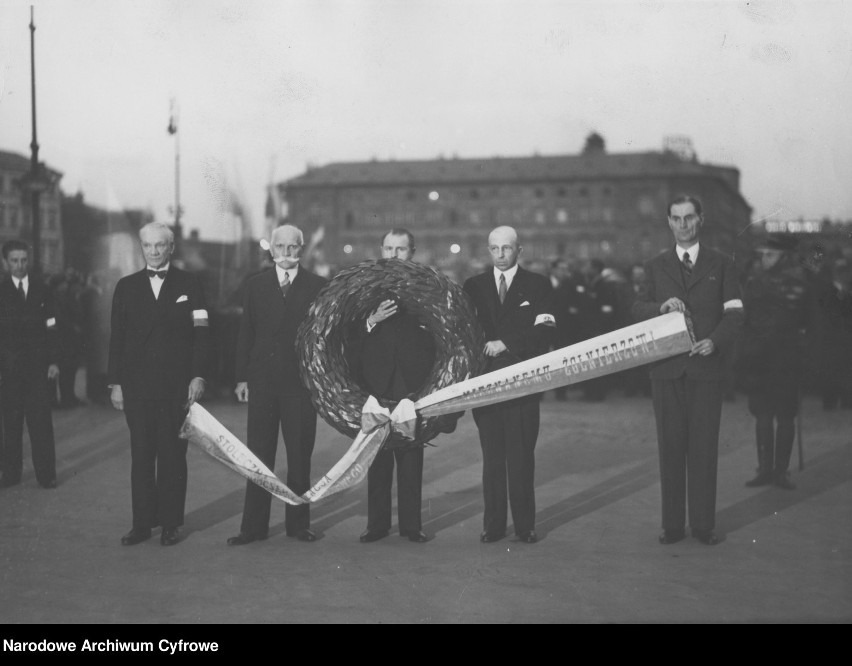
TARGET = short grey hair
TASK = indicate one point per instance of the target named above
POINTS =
(159, 226)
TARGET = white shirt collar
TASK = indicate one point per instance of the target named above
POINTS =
(161, 268)
(292, 272)
(510, 275)
(25, 280)
(692, 249)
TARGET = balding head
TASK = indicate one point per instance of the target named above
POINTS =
(504, 247)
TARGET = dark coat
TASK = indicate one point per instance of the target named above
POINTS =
(266, 344)
(396, 346)
(712, 284)
(513, 321)
(27, 330)
(156, 347)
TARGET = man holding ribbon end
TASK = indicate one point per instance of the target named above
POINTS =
(687, 389)
(267, 373)
(514, 307)
(158, 352)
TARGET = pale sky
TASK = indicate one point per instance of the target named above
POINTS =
(266, 87)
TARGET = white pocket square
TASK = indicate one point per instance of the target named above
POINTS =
(524, 303)
(181, 299)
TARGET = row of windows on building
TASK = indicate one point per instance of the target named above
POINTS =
(437, 194)
(475, 218)
(15, 216)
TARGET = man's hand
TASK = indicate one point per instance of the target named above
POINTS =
(495, 347)
(116, 397)
(703, 348)
(242, 391)
(196, 390)
(674, 304)
(386, 309)
(52, 371)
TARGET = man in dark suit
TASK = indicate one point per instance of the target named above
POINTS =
(275, 303)
(158, 350)
(514, 308)
(393, 355)
(28, 353)
(687, 389)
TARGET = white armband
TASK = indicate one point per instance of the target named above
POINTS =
(733, 304)
(51, 323)
(546, 319)
(200, 318)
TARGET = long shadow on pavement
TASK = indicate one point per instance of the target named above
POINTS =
(821, 474)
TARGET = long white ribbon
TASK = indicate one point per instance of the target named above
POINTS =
(652, 340)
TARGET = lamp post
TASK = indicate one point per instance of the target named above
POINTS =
(178, 211)
(37, 179)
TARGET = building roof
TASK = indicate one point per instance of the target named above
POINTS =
(16, 162)
(509, 169)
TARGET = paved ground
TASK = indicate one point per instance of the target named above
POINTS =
(786, 556)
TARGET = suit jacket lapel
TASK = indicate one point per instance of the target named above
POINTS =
(275, 298)
(492, 299)
(671, 265)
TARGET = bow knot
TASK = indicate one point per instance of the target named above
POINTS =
(160, 274)
(402, 421)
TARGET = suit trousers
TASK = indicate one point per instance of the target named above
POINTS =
(158, 474)
(25, 396)
(295, 415)
(688, 413)
(508, 434)
(409, 482)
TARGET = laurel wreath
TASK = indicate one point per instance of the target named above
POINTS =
(438, 303)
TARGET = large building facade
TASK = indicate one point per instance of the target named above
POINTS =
(594, 204)
(16, 211)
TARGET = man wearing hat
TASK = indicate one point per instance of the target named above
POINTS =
(771, 359)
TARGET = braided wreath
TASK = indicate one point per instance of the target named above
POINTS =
(439, 304)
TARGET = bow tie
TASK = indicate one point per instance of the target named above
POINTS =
(159, 274)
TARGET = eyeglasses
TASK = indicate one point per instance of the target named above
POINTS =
(692, 218)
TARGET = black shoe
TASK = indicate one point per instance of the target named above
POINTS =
(783, 481)
(306, 535)
(170, 536)
(135, 536)
(762, 479)
(671, 536)
(707, 538)
(242, 539)
(529, 537)
(373, 535)
(491, 537)
(417, 536)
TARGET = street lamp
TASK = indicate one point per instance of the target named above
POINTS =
(37, 180)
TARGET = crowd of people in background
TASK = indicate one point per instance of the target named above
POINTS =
(592, 298)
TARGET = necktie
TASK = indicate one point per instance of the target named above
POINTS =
(159, 274)
(502, 290)
(21, 290)
(285, 284)
(687, 263)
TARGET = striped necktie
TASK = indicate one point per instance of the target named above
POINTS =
(501, 292)
(285, 284)
(687, 263)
